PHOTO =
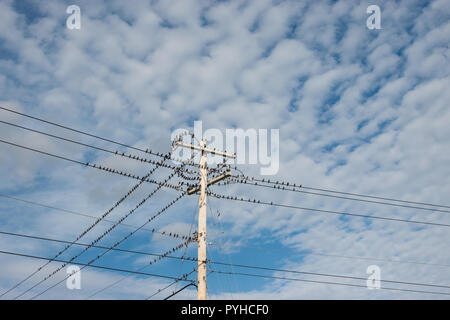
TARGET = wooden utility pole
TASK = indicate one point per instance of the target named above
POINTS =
(201, 233)
(201, 263)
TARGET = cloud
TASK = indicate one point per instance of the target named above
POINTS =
(358, 110)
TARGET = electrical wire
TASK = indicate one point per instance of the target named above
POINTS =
(236, 286)
(165, 156)
(82, 234)
(219, 196)
(167, 255)
(327, 282)
(171, 234)
(178, 291)
(116, 153)
(119, 242)
(93, 266)
(163, 255)
(286, 184)
(266, 203)
(246, 177)
(104, 234)
(168, 286)
(86, 244)
(293, 189)
(147, 151)
(344, 256)
(190, 232)
(99, 167)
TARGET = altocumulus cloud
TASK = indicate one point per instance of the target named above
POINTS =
(358, 110)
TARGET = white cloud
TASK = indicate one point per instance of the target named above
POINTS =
(358, 110)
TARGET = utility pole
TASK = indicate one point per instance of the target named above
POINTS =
(201, 233)
(201, 255)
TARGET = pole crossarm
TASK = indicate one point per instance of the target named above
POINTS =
(196, 189)
(206, 150)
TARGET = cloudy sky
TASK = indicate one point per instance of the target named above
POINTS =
(358, 110)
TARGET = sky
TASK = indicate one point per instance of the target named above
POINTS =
(358, 110)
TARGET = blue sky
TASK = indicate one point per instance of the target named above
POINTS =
(358, 110)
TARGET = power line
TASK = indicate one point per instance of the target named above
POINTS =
(104, 234)
(379, 259)
(120, 241)
(167, 255)
(325, 274)
(85, 244)
(160, 256)
(82, 234)
(94, 266)
(277, 185)
(139, 271)
(170, 234)
(246, 177)
(219, 196)
(164, 255)
(186, 248)
(168, 286)
(178, 291)
(227, 254)
(164, 288)
(326, 282)
(159, 186)
(99, 167)
(116, 153)
(287, 184)
(76, 142)
(293, 189)
(344, 256)
(148, 151)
